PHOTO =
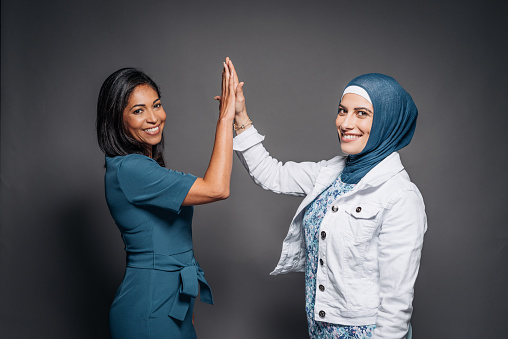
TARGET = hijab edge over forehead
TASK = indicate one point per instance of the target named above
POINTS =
(357, 90)
(393, 124)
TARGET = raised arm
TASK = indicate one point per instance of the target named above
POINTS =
(287, 178)
(215, 183)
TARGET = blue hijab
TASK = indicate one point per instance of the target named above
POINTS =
(393, 124)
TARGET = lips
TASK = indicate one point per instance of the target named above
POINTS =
(153, 131)
(350, 137)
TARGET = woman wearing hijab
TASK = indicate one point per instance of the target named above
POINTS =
(153, 206)
(358, 234)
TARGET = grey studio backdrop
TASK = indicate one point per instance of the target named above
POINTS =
(61, 255)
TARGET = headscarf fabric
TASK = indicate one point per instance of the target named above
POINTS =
(393, 125)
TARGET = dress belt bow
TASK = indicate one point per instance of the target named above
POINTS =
(192, 279)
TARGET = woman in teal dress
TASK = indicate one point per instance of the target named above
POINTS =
(153, 206)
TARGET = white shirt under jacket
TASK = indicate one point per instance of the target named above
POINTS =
(373, 241)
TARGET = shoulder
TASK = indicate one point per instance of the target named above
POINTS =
(339, 160)
(400, 187)
(392, 190)
(135, 162)
(136, 159)
(131, 165)
(336, 162)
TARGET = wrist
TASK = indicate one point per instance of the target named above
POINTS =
(241, 118)
(225, 121)
(239, 128)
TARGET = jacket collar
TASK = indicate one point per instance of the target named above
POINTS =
(383, 171)
(390, 166)
(329, 173)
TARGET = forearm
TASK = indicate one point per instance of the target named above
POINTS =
(271, 174)
(215, 183)
(218, 174)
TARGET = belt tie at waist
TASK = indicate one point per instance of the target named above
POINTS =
(192, 279)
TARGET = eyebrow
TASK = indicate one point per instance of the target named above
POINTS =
(358, 108)
(363, 109)
(143, 105)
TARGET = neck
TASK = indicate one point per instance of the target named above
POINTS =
(148, 151)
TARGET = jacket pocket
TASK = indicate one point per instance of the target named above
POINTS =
(359, 229)
(363, 221)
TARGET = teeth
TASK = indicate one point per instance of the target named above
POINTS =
(155, 129)
(351, 137)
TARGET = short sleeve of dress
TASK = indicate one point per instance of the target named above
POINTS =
(144, 182)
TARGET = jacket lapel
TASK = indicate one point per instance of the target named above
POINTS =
(382, 172)
(325, 178)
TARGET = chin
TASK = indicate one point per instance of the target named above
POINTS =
(349, 152)
(154, 142)
(345, 151)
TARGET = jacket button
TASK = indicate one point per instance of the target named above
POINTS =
(323, 235)
(334, 208)
(322, 314)
(358, 209)
(321, 288)
(321, 262)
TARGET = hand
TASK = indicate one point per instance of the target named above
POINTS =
(240, 98)
(227, 98)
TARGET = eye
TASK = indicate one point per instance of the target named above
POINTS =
(362, 114)
(138, 111)
(157, 105)
(341, 111)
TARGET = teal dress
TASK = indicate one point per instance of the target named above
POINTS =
(162, 278)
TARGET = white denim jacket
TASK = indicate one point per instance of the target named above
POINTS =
(370, 239)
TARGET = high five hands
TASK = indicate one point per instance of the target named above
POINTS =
(227, 99)
(235, 89)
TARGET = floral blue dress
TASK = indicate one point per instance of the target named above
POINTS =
(311, 223)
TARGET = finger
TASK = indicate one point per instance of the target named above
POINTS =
(231, 72)
(227, 75)
(226, 64)
(232, 83)
(223, 71)
(235, 77)
(217, 97)
(223, 76)
(232, 67)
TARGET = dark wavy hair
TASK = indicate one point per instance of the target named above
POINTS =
(113, 98)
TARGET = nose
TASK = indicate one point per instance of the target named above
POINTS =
(151, 117)
(346, 122)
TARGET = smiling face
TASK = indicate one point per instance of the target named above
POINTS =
(354, 122)
(144, 117)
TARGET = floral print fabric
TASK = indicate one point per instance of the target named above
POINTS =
(311, 223)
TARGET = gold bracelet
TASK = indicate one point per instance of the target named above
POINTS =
(237, 128)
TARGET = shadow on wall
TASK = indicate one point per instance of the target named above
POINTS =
(86, 278)
(287, 320)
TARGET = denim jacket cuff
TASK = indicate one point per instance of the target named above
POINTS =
(247, 139)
